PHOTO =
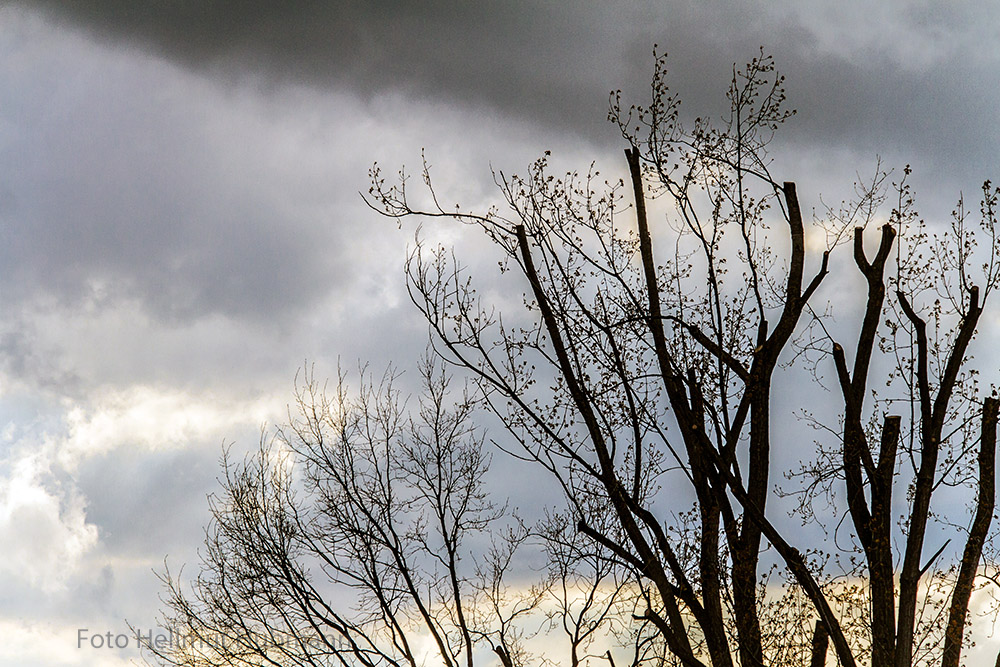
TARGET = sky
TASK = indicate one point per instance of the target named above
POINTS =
(181, 227)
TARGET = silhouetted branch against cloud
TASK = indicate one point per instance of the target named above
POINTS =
(647, 371)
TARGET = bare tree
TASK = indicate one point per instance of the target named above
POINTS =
(672, 358)
(375, 555)
(643, 380)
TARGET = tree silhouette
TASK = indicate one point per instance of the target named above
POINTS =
(643, 381)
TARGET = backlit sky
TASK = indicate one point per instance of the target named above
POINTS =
(180, 223)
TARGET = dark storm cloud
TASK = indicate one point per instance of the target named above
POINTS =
(553, 62)
(538, 58)
(896, 79)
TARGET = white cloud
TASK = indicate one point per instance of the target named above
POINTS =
(43, 526)
(155, 418)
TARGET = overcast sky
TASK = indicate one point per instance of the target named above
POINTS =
(180, 223)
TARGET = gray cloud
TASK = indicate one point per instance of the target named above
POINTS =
(521, 55)
(122, 181)
(157, 500)
(179, 212)
(910, 79)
